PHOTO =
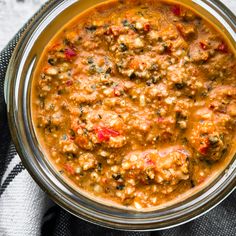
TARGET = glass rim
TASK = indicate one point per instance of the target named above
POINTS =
(21, 131)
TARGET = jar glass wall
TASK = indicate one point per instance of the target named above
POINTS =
(18, 91)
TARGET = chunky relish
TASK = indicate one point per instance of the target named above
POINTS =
(135, 101)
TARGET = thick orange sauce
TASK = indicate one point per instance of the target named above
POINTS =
(135, 102)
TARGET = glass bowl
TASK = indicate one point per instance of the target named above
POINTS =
(17, 94)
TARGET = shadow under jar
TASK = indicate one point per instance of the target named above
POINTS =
(30, 74)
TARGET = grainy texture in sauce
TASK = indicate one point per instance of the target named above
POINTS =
(136, 103)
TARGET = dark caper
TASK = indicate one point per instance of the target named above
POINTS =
(132, 76)
(155, 79)
(120, 187)
(90, 60)
(148, 82)
(91, 28)
(51, 61)
(92, 69)
(108, 71)
(179, 85)
(125, 23)
(213, 140)
(99, 167)
(116, 176)
(123, 47)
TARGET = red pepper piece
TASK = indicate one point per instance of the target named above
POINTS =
(160, 119)
(203, 46)
(222, 48)
(201, 180)
(72, 137)
(69, 169)
(55, 46)
(104, 134)
(111, 132)
(108, 31)
(176, 10)
(118, 91)
(150, 162)
(69, 53)
(146, 27)
(204, 149)
(69, 82)
(115, 30)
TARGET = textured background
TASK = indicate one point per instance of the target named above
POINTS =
(14, 13)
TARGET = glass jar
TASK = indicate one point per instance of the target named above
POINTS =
(17, 94)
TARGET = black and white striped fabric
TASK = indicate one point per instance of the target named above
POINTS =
(25, 210)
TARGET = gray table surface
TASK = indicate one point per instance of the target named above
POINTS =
(14, 13)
